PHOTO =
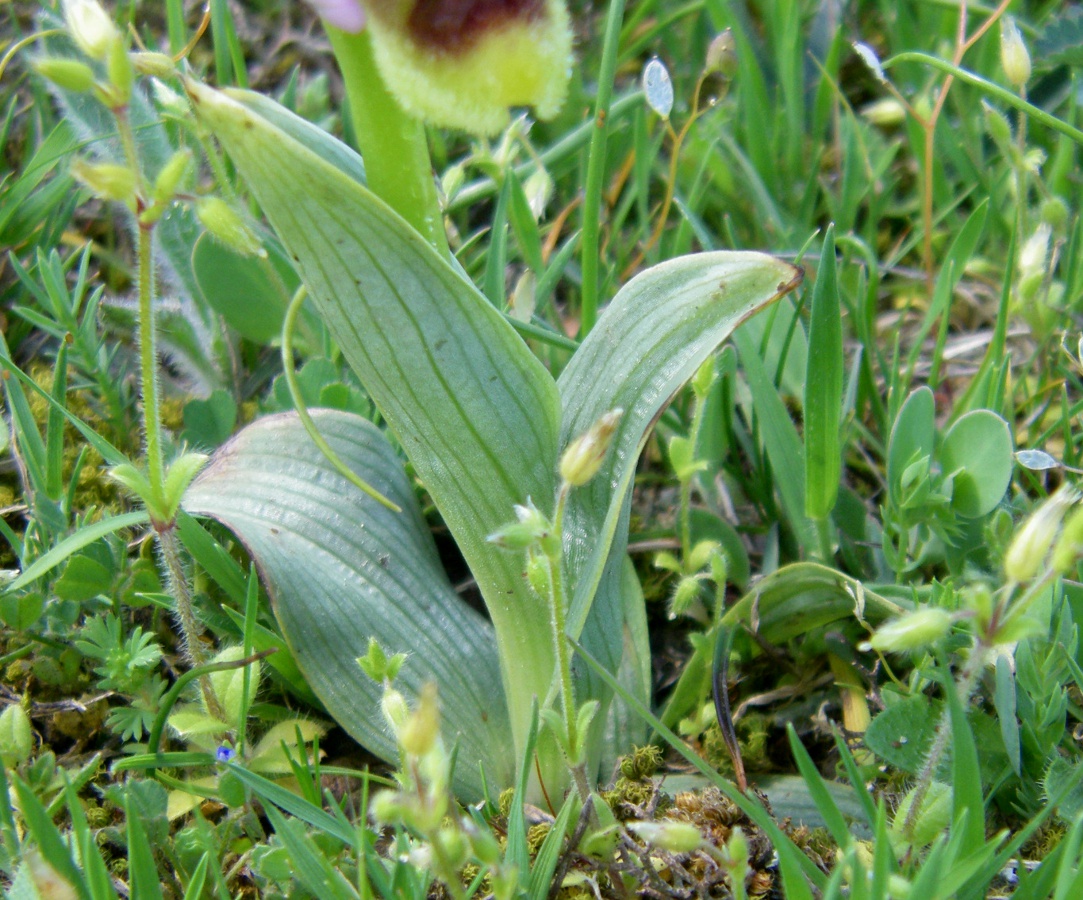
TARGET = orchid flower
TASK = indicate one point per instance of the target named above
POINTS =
(463, 63)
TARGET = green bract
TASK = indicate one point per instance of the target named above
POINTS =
(484, 425)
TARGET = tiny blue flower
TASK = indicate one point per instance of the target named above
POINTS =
(224, 753)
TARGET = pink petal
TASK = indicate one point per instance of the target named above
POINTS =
(345, 14)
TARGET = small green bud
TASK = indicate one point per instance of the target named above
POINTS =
(1035, 251)
(720, 567)
(538, 188)
(996, 123)
(1069, 546)
(912, 631)
(171, 175)
(226, 224)
(701, 554)
(91, 27)
(156, 65)
(69, 74)
(121, 73)
(395, 710)
(673, 837)
(931, 820)
(1034, 538)
(682, 459)
(528, 530)
(106, 181)
(453, 847)
(584, 455)
(886, 112)
(16, 737)
(1054, 212)
(1013, 54)
(686, 594)
(737, 848)
(705, 377)
(722, 54)
(979, 598)
(420, 731)
(386, 807)
(537, 573)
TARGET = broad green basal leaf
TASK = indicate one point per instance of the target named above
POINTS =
(341, 568)
(474, 410)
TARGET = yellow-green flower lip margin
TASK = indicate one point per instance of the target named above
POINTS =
(464, 63)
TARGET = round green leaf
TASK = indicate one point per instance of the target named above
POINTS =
(977, 453)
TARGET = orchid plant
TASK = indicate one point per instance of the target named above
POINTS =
(531, 473)
(482, 421)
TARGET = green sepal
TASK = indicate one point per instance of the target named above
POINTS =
(182, 471)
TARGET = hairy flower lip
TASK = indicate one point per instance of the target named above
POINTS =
(464, 63)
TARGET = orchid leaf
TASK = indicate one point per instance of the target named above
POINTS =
(341, 568)
(475, 411)
(647, 343)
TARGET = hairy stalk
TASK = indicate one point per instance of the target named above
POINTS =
(148, 366)
(168, 544)
(184, 614)
(558, 614)
(968, 680)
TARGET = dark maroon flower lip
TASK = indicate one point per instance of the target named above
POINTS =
(455, 26)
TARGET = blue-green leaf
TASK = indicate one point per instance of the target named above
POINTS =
(341, 568)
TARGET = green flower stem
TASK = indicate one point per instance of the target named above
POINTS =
(993, 90)
(393, 144)
(592, 197)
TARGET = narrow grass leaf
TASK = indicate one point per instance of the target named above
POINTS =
(518, 851)
(294, 804)
(72, 544)
(825, 803)
(823, 388)
(194, 891)
(496, 263)
(779, 439)
(309, 864)
(1069, 876)
(142, 872)
(44, 833)
(1004, 699)
(966, 776)
(545, 863)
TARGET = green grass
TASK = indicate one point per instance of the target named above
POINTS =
(899, 435)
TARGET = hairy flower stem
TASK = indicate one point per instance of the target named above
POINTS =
(554, 551)
(168, 544)
(968, 680)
